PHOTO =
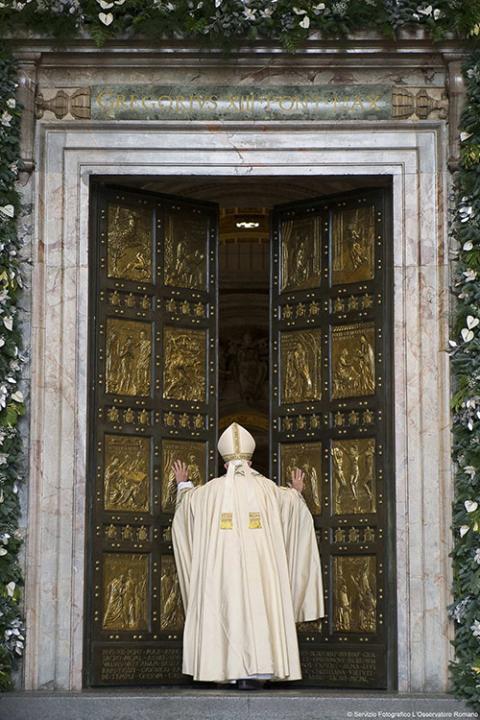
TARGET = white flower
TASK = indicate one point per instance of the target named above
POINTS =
(105, 18)
(8, 322)
(267, 12)
(470, 275)
(470, 505)
(11, 103)
(17, 396)
(475, 628)
(305, 23)
(299, 11)
(105, 5)
(317, 9)
(477, 556)
(7, 211)
(469, 470)
(463, 530)
(6, 118)
(249, 13)
(467, 334)
(3, 551)
(10, 588)
(426, 10)
(460, 609)
(468, 245)
(465, 212)
(3, 458)
(465, 135)
(218, 3)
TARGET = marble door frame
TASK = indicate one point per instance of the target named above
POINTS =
(68, 153)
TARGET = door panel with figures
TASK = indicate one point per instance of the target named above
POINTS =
(331, 415)
(153, 380)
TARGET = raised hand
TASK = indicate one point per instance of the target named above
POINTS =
(298, 479)
(180, 471)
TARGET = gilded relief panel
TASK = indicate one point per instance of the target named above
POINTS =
(171, 612)
(355, 594)
(353, 360)
(128, 357)
(184, 374)
(353, 244)
(353, 463)
(129, 243)
(126, 483)
(301, 366)
(125, 579)
(300, 253)
(307, 457)
(186, 242)
(193, 454)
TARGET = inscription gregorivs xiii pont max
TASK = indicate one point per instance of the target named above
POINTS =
(190, 102)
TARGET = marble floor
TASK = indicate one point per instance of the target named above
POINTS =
(174, 703)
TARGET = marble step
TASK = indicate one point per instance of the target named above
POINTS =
(178, 704)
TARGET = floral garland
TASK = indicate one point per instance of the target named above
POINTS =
(221, 21)
(11, 398)
(465, 361)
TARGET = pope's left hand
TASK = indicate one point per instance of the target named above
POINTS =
(180, 471)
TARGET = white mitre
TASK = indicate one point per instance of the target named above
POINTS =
(236, 443)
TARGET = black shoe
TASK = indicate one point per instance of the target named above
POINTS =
(252, 684)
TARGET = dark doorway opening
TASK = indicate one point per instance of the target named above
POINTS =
(244, 326)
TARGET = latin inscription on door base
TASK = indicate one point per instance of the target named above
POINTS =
(342, 668)
(130, 666)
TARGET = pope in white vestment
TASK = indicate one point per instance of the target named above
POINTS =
(249, 569)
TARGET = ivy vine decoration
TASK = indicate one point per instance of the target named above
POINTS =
(11, 398)
(225, 21)
(465, 363)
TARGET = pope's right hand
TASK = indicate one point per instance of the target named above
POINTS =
(180, 471)
(298, 479)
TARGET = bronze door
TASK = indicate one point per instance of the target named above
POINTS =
(331, 369)
(152, 387)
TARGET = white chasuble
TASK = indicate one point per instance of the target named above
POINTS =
(249, 569)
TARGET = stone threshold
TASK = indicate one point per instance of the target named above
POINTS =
(167, 703)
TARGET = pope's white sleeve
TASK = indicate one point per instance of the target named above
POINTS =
(184, 485)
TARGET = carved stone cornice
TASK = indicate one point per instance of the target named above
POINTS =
(338, 62)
